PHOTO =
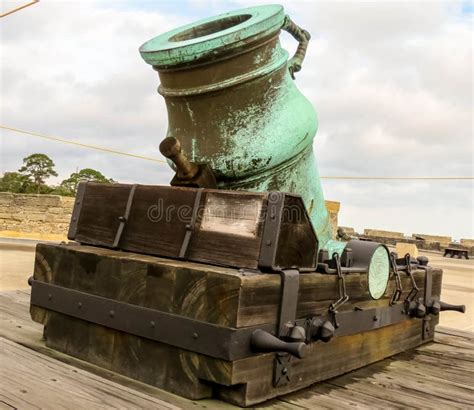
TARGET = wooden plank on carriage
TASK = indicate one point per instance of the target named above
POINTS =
(223, 296)
(218, 227)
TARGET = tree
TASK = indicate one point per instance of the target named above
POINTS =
(14, 182)
(87, 174)
(37, 168)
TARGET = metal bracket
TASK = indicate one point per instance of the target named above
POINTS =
(124, 218)
(281, 369)
(271, 229)
(428, 320)
(343, 296)
(190, 227)
(76, 212)
(290, 284)
(415, 289)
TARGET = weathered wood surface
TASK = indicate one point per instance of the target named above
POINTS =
(30, 380)
(227, 231)
(224, 296)
(437, 375)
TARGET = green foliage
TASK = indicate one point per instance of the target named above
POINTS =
(69, 186)
(30, 178)
(37, 168)
(14, 182)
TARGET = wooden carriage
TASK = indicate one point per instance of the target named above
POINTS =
(217, 293)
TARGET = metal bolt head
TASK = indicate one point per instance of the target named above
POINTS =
(195, 335)
(284, 370)
(79, 305)
(50, 296)
(112, 313)
(268, 243)
(152, 324)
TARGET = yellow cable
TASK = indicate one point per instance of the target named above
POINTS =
(18, 8)
(112, 151)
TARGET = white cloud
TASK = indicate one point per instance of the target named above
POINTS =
(392, 83)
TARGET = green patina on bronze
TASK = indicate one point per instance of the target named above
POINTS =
(232, 104)
(379, 270)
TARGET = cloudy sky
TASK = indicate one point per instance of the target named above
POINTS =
(392, 83)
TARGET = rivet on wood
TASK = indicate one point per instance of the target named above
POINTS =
(268, 243)
(111, 313)
(50, 296)
(152, 323)
(195, 335)
(79, 305)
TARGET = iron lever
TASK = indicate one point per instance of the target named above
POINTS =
(262, 341)
(437, 306)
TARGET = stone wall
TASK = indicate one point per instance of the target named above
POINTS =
(467, 242)
(35, 214)
(444, 240)
(333, 209)
(383, 234)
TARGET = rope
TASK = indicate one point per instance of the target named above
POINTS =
(112, 151)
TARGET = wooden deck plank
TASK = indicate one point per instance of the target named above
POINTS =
(326, 396)
(32, 380)
(17, 326)
(436, 375)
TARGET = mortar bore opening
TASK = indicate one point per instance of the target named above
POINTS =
(210, 27)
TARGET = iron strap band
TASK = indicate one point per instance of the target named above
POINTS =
(201, 337)
(290, 285)
(429, 321)
(81, 189)
(271, 230)
(123, 219)
(190, 227)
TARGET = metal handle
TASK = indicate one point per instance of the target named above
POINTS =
(303, 37)
(262, 341)
(457, 308)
